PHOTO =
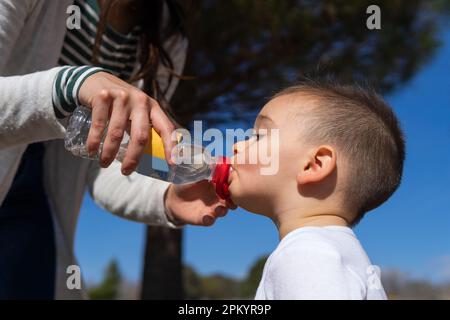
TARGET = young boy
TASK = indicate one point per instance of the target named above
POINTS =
(341, 154)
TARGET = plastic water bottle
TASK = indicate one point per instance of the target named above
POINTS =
(200, 165)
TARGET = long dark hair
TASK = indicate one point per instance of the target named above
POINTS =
(153, 35)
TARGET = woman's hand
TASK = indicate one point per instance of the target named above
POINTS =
(119, 102)
(195, 204)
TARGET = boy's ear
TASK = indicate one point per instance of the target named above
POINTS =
(318, 165)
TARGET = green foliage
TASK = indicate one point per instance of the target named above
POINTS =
(242, 51)
(109, 287)
(209, 287)
(398, 285)
(251, 282)
(220, 286)
(192, 283)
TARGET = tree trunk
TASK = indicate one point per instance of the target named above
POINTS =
(162, 276)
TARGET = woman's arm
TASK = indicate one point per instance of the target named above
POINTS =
(13, 15)
(132, 197)
(26, 109)
(33, 106)
(151, 201)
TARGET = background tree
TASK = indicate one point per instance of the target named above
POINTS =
(193, 288)
(218, 286)
(242, 51)
(249, 285)
(162, 277)
(109, 287)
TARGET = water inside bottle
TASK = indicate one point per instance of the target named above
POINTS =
(192, 163)
(195, 164)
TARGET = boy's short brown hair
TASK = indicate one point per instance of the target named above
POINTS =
(364, 127)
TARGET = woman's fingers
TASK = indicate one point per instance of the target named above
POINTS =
(230, 204)
(207, 221)
(140, 130)
(100, 115)
(117, 125)
(122, 102)
(164, 127)
(209, 218)
(221, 211)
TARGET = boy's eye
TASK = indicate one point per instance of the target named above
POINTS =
(255, 135)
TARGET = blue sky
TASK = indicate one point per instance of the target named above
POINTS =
(410, 233)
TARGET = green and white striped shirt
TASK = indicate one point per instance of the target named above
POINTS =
(117, 55)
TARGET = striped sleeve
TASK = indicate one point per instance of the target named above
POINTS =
(66, 87)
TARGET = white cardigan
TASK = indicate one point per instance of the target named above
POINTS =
(31, 38)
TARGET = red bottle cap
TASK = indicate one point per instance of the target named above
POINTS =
(220, 178)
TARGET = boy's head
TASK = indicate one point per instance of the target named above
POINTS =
(340, 151)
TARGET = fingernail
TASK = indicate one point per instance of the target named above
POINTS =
(220, 211)
(208, 220)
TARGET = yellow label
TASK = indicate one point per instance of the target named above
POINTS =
(155, 146)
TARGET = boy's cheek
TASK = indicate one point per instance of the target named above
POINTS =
(240, 180)
(246, 182)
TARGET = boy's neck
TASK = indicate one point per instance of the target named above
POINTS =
(290, 220)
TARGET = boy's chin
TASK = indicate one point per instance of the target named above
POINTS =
(248, 201)
(245, 203)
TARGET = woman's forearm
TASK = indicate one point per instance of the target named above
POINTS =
(33, 106)
(135, 197)
(26, 109)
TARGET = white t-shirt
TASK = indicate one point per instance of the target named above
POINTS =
(320, 263)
